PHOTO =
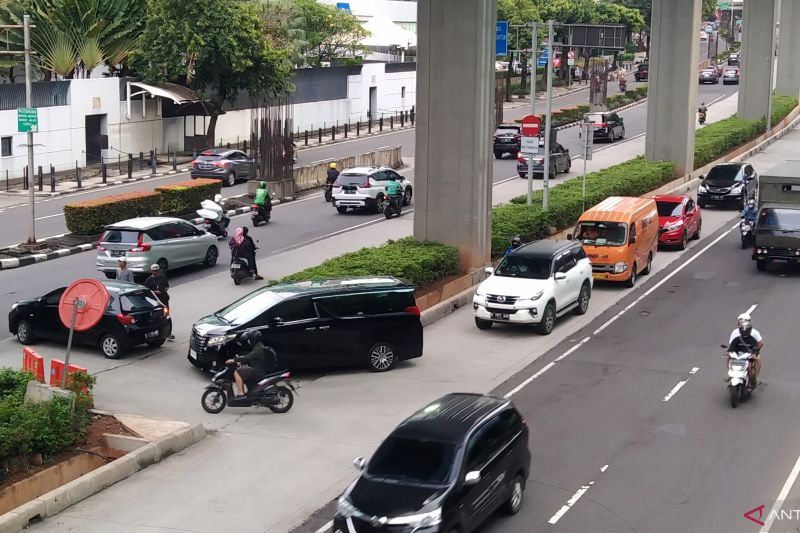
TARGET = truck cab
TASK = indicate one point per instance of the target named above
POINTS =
(777, 230)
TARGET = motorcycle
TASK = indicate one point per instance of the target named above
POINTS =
(214, 219)
(701, 117)
(241, 271)
(328, 192)
(273, 391)
(623, 85)
(739, 382)
(392, 206)
(746, 230)
(261, 213)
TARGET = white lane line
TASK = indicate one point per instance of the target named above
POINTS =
(325, 528)
(675, 390)
(694, 370)
(573, 500)
(573, 349)
(545, 368)
(751, 309)
(50, 216)
(776, 507)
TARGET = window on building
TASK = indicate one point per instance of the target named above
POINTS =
(5, 147)
(402, 92)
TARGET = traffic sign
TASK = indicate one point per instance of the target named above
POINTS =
(501, 39)
(724, 6)
(571, 54)
(556, 62)
(529, 145)
(27, 119)
(587, 132)
(530, 126)
(543, 58)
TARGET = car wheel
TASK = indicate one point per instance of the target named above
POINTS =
(611, 137)
(25, 332)
(684, 239)
(110, 275)
(649, 266)
(230, 179)
(515, 496)
(407, 196)
(111, 346)
(211, 257)
(632, 280)
(583, 299)
(545, 327)
(163, 265)
(696, 235)
(483, 324)
(382, 357)
(498, 155)
(341, 210)
(379, 203)
(622, 135)
(568, 167)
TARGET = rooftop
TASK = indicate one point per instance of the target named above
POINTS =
(544, 247)
(449, 418)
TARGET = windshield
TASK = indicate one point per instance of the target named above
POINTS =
(595, 117)
(670, 209)
(779, 219)
(724, 173)
(503, 130)
(405, 459)
(351, 179)
(209, 157)
(246, 309)
(137, 301)
(602, 233)
(120, 235)
(523, 266)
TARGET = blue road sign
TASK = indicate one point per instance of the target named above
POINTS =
(543, 59)
(501, 47)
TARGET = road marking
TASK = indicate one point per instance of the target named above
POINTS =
(573, 500)
(675, 390)
(787, 486)
(751, 309)
(694, 370)
(325, 528)
(546, 367)
(50, 216)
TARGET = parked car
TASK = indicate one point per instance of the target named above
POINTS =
(608, 126)
(446, 468)
(642, 72)
(224, 164)
(560, 161)
(734, 59)
(728, 183)
(703, 36)
(731, 76)
(134, 316)
(679, 219)
(365, 187)
(144, 241)
(536, 284)
(372, 322)
(507, 139)
(709, 75)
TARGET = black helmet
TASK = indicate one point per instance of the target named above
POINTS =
(516, 241)
(252, 337)
(245, 230)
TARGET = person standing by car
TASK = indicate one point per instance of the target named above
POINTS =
(123, 274)
(157, 282)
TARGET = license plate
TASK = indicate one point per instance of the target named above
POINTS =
(151, 334)
(717, 197)
(192, 353)
(500, 316)
(206, 167)
(118, 253)
(597, 275)
(235, 266)
(349, 192)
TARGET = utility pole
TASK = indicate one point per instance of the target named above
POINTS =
(546, 174)
(26, 21)
(534, 63)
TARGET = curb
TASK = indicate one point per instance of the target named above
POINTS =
(93, 482)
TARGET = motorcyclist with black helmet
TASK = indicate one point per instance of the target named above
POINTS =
(259, 361)
(516, 242)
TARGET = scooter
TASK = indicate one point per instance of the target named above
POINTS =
(392, 206)
(241, 271)
(739, 384)
(701, 117)
(623, 85)
(261, 213)
(273, 391)
(214, 219)
(328, 192)
(746, 230)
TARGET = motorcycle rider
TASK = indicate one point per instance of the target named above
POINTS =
(260, 360)
(702, 111)
(516, 242)
(333, 174)
(262, 198)
(749, 213)
(394, 191)
(250, 248)
(745, 338)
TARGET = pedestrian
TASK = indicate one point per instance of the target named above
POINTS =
(157, 282)
(578, 75)
(123, 274)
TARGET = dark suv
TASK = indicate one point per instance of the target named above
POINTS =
(608, 126)
(446, 468)
(507, 139)
(728, 183)
(642, 72)
(372, 322)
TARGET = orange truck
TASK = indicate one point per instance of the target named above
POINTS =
(620, 236)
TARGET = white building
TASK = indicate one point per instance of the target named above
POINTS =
(401, 12)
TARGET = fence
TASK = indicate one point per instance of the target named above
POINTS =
(398, 119)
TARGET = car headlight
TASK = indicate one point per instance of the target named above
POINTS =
(416, 521)
(345, 508)
(673, 226)
(737, 186)
(219, 340)
(536, 296)
(620, 267)
(14, 306)
(702, 188)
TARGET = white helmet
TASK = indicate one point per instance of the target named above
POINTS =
(744, 323)
(218, 198)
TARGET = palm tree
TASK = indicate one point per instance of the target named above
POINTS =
(285, 26)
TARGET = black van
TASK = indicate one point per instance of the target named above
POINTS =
(318, 324)
(446, 468)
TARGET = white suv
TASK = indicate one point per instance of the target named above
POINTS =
(535, 284)
(364, 188)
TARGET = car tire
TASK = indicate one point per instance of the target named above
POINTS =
(25, 332)
(162, 263)
(568, 167)
(381, 357)
(631, 281)
(212, 254)
(611, 137)
(230, 179)
(649, 266)
(622, 135)
(379, 203)
(545, 326)
(483, 324)
(341, 210)
(111, 346)
(696, 235)
(516, 495)
(583, 299)
(684, 241)
(157, 344)
(498, 155)
(408, 196)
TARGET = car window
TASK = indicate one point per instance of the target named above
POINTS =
(669, 209)
(253, 309)
(723, 173)
(121, 236)
(632, 232)
(294, 310)
(566, 262)
(506, 130)
(489, 439)
(380, 176)
(524, 266)
(52, 298)
(139, 300)
(367, 304)
(602, 233)
(579, 253)
(171, 231)
(187, 230)
(397, 176)
(689, 205)
(351, 179)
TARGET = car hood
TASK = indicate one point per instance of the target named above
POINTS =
(719, 183)
(508, 286)
(211, 325)
(390, 499)
(663, 221)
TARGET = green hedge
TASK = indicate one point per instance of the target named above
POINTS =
(90, 216)
(416, 262)
(185, 197)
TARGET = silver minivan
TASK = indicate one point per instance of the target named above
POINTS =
(166, 241)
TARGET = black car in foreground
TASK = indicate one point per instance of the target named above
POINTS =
(446, 468)
(372, 322)
(507, 139)
(134, 316)
(728, 184)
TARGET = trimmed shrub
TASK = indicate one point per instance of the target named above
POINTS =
(185, 197)
(641, 90)
(89, 217)
(414, 261)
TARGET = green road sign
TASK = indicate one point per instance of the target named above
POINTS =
(27, 119)
(724, 5)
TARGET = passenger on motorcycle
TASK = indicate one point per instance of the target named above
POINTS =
(259, 361)
(242, 246)
(745, 338)
(394, 191)
(750, 212)
(516, 242)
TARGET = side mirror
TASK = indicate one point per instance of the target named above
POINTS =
(472, 478)
(570, 236)
(489, 270)
(632, 239)
(560, 276)
(702, 177)
(724, 346)
(359, 463)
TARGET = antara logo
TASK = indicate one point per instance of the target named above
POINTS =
(755, 515)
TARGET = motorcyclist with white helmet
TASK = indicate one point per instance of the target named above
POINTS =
(745, 338)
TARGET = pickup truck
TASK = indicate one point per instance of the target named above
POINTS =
(776, 238)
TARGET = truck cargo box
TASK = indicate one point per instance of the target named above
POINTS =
(780, 185)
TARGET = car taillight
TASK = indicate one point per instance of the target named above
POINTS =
(255, 206)
(365, 185)
(494, 137)
(194, 163)
(141, 246)
(219, 164)
(412, 310)
(100, 246)
(602, 125)
(126, 320)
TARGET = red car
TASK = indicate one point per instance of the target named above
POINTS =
(679, 220)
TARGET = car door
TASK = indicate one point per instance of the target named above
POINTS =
(345, 326)
(567, 287)
(183, 243)
(46, 321)
(616, 122)
(291, 328)
(242, 164)
(378, 181)
(196, 245)
(690, 216)
(562, 156)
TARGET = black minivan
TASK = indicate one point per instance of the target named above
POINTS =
(446, 468)
(372, 322)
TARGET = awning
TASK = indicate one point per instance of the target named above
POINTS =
(170, 91)
(179, 101)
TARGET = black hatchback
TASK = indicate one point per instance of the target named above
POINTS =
(372, 322)
(134, 316)
(446, 468)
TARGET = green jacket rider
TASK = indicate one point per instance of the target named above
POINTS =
(262, 196)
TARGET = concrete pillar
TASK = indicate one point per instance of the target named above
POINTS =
(672, 87)
(788, 79)
(758, 45)
(455, 93)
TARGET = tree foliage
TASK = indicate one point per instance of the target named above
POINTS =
(331, 33)
(285, 27)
